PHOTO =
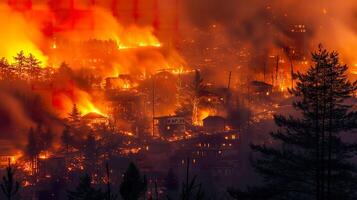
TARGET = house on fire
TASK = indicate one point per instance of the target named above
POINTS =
(92, 119)
(170, 125)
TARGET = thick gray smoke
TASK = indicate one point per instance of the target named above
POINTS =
(263, 25)
(20, 109)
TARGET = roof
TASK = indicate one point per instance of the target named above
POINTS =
(93, 115)
(215, 117)
(260, 84)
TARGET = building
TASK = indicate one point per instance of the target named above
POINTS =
(213, 158)
(171, 125)
(259, 87)
(214, 124)
(93, 119)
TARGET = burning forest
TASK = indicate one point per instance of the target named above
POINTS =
(191, 99)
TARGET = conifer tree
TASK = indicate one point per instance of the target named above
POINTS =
(190, 100)
(313, 159)
(66, 139)
(74, 118)
(4, 69)
(9, 185)
(90, 153)
(85, 191)
(33, 67)
(32, 148)
(20, 59)
(133, 185)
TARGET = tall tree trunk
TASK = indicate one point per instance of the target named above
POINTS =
(317, 139)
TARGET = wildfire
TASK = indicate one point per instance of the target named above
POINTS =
(136, 37)
(86, 106)
(63, 101)
(20, 35)
(202, 114)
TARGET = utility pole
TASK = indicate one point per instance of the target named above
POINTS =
(292, 72)
(153, 105)
(277, 69)
(264, 70)
(229, 79)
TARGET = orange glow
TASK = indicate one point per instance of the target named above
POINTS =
(20, 35)
(136, 37)
(63, 101)
(354, 69)
(202, 114)
(44, 155)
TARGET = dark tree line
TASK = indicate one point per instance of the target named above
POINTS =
(314, 157)
(38, 140)
(133, 187)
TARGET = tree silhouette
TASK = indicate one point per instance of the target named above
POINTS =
(46, 139)
(313, 161)
(20, 61)
(109, 194)
(74, 118)
(4, 69)
(66, 139)
(171, 181)
(90, 153)
(190, 189)
(34, 67)
(85, 191)
(191, 97)
(133, 185)
(9, 185)
(32, 148)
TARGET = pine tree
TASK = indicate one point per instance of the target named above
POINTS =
(189, 103)
(34, 67)
(198, 90)
(74, 118)
(85, 191)
(66, 139)
(134, 185)
(191, 190)
(20, 62)
(32, 149)
(314, 160)
(47, 139)
(4, 69)
(90, 153)
(108, 193)
(9, 185)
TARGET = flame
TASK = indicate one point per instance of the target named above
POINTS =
(64, 99)
(86, 106)
(202, 114)
(136, 37)
(43, 156)
(20, 35)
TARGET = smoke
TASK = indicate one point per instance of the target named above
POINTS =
(20, 109)
(264, 27)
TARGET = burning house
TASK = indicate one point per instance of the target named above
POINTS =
(213, 124)
(93, 119)
(169, 126)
